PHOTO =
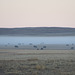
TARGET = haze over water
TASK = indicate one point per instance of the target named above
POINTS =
(37, 40)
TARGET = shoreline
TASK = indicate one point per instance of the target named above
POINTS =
(40, 47)
(43, 35)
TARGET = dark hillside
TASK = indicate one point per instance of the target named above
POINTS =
(41, 31)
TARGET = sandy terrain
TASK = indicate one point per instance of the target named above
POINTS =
(37, 62)
(40, 54)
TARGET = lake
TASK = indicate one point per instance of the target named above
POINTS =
(37, 40)
(28, 40)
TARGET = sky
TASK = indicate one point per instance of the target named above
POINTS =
(37, 13)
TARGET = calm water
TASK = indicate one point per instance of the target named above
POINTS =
(37, 40)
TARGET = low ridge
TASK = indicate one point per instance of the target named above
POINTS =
(37, 31)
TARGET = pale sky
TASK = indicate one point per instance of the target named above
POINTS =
(36, 13)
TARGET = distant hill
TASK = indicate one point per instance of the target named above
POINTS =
(38, 31)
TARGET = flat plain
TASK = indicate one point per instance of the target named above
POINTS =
(37, 62)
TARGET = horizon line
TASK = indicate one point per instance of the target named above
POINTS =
(39, 27)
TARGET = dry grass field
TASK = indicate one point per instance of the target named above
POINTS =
(37, 62)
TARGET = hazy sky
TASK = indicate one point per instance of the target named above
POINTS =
(28, 13)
